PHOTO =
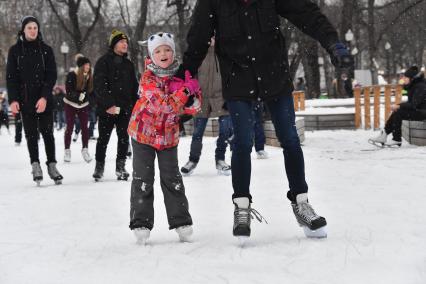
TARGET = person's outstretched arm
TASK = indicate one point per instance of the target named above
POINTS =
(198, 38)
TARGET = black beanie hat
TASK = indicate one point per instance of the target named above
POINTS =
(27, 19)
(82, 60)
(116, 36)
(412, 72)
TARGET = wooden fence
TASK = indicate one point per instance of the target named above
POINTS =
(363, 96)
(299, 100)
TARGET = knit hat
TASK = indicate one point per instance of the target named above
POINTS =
(412, 72)
(27, 19)
(115, 37)
(82, 60)
(159, 39)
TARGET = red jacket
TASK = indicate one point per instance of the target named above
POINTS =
(155, 116)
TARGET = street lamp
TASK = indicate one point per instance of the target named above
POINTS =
(64, 50)
(387, 48)
(349, 36)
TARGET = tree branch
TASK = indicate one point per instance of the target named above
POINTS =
(61, 22)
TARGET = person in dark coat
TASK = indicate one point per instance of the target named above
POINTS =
(59, 95)
(116, 90)
(414, 83)
(31, 75)
(254, 66)
(79, 86)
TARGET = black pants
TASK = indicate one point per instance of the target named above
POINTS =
(394, 123)
(18, 128)
(34, 125)
(4, 119)
(142, 195)
(105, 127)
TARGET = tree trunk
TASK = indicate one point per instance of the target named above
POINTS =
(311, 67)
(372, 41)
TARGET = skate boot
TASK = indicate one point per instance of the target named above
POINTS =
(262, 154)
(394, 143)
(379, 140)
(243, 213)
(120, 170)
(185, 233)
(99, 171)
(75, 137)
(67, 155)
(54, 173)
(37, 173)
(142, 235)
(188, 168)
(223, 168)
(313, 225)
(86, 155)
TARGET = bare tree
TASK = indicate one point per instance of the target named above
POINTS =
(73, 27)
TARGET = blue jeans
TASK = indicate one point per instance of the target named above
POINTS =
(283, 118)
(259, 132)
(92, 121)
(225, 132)
(60, 118)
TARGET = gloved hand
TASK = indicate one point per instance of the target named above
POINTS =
(175, 84)
(81, 97)
(340, 56)
(191, 84)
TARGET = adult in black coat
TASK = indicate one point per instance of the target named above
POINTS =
(413, 109)
(116, 90)
(254, 66)
(31, 75)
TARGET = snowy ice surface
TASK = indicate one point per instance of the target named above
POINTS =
(374, 202)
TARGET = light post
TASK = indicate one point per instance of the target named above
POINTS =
(354, 53)
(387, 48)
(64, 50)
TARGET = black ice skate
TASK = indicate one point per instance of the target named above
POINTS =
(54, 173)
(313, 225)
(37, 173)
(243, 213)
(99, 171)
(188, 168)
(120, 170)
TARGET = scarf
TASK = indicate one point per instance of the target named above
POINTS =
(164, 72)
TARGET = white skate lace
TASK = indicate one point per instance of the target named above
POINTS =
(242, 215)
(306, 211)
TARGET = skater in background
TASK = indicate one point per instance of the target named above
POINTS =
(59, 96)
(253, 63)
(116, 89)
(4, 109)
(212, 106)
(154, 130)
(18, 128)
(414, 109)
(300, 85)
(31, 75)
(79, 86)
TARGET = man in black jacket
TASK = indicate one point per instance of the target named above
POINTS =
(413, 109)
(31, 75)
(254, 66)
(116, 90)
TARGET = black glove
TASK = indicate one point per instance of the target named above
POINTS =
(340, 56)
(190, 101)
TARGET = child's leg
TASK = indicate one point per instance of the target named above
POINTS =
(173, 189)
(142, 195)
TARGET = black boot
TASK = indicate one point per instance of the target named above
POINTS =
(99, 170)
(120, 170)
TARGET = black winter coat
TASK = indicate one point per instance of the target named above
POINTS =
(416, 95)
(249, 44)
(73, 95)
(31, 74)
(115, 83)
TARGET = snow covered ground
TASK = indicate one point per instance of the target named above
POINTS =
(374, 202)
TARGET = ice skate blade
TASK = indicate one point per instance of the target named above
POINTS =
(38, 183)
(58, 182)
(243, 240)
(223, 173)
(188, 173)
(185, 234)
(377, 144)
(320, 233)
